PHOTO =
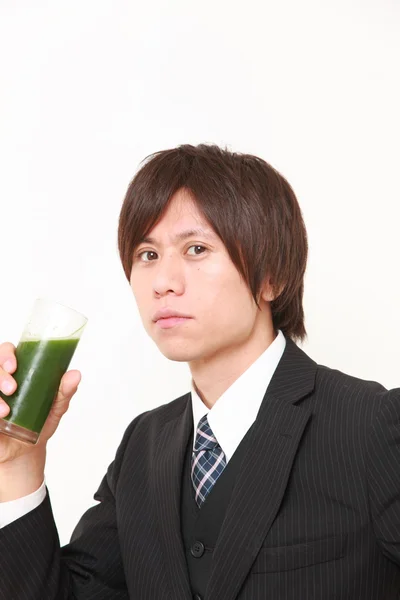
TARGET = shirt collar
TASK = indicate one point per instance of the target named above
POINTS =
(236, 409)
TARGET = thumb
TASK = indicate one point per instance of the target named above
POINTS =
(68, 387)
(69, 384)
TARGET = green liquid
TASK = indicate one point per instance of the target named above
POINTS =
(40, 367)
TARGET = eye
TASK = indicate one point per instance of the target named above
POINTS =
(197, 246)
(145, 252)
(141, 254)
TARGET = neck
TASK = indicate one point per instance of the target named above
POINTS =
(212, 376)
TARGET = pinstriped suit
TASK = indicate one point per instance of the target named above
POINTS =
(314, 514)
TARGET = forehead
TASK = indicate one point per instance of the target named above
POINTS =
(182, 219)
(182, 207)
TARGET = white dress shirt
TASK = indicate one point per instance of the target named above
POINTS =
(15, 509)
(230, 418)
(236, 410)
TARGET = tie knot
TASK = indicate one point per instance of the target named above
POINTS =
(205, 439)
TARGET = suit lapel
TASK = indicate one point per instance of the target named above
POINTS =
(170, 447)
(264, 473)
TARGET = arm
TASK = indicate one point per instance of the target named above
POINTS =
(34, 567)
(383, 473)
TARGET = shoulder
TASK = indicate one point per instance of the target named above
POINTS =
(334, 377)
(159, 416)
(347, 392)
(143, 431)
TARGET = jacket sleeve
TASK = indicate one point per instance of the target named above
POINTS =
(383, 475)
(34, 567)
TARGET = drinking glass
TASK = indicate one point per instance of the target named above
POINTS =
(43, 354)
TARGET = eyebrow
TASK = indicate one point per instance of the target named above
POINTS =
(182, 235)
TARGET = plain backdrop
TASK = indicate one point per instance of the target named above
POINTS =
(89, 88)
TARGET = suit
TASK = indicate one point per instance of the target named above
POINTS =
(310, 509)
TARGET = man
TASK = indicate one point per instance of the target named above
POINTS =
(274, 477)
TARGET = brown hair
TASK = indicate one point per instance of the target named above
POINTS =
(250, 206)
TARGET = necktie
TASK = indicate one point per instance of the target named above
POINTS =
(208, 461)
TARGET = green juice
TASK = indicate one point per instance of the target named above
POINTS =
(40, 367)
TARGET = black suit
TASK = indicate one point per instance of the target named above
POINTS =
(314, 512)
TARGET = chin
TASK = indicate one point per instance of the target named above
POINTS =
(177, 356)
(178, 350)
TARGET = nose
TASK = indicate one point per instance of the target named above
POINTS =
(168, 277)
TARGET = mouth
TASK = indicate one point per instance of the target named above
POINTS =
(168, 322)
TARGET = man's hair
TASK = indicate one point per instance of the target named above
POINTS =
(250, 206)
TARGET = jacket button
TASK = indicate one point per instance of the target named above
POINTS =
(197, 550)
(197, 597)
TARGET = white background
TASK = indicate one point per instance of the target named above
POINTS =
(89, 88)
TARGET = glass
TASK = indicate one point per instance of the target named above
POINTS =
(43, 354)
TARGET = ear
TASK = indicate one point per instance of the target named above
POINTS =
(268, 293)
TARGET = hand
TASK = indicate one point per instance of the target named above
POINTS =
(11, 449)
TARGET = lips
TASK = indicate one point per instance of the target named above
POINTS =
(168, 313)
(167, 323)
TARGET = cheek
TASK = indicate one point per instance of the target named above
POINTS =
(222, 280)
(139, 295)
(219, 275)
(224, 301)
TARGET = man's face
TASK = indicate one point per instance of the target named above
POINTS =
(196, 277)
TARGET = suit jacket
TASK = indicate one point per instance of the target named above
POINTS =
(314, 513)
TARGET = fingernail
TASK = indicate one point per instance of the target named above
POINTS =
(8, 366)
(7, 387)
(3, 409)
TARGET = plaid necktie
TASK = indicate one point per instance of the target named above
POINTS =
(208, 461)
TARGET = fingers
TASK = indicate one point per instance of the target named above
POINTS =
(8, 364)
(8, 384)
(4, 408)
(7, 353)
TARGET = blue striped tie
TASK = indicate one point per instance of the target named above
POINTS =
(208, 461)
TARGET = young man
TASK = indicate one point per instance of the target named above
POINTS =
(274, 477)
